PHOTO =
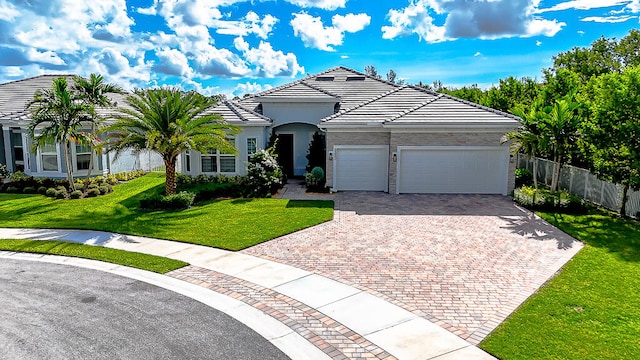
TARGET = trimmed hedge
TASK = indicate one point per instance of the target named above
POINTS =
(181, 200)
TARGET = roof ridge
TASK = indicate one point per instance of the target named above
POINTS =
(467, 102)
(415, 108)
(320, 90)
(370, 77)
(232, 105)
(36, 77)
(378, 97)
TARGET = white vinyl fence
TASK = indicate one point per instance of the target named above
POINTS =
(583, 183)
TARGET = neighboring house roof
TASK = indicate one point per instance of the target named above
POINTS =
(237, 114)
(410, 105)
(15, 95)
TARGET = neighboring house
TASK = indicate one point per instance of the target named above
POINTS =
(47, 161)
(380, 136)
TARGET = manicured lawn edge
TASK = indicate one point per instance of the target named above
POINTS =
(591, 308)
(136, 260)
(231, 224)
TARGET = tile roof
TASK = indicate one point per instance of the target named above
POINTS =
(299, 91)
(348, 86)
(411, 105)
(238, 114)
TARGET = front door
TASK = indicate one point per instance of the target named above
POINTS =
(285, 153)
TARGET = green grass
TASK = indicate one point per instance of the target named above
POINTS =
(132, 259)
(591, 310)
(228, 224)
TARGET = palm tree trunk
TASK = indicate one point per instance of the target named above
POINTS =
(170, 173)
(86, 182)
(556, 173)
(535, 172)
(67, 160)
(625, 196)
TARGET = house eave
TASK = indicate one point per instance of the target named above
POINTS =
(281, 100)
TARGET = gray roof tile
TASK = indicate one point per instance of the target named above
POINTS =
(238, 114)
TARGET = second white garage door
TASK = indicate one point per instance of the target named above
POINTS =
(363, 168)
(453, 170)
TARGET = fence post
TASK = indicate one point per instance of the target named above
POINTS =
(586, 184)
(571, 179)
(602, 193)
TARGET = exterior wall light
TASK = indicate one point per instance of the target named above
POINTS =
(395, 157)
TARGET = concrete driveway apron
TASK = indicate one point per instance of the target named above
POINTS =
(464, 262)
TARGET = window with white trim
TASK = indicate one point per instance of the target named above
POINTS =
(83, 156)
(187, 160)
(49, 157)
(252, 147)
(218, 162)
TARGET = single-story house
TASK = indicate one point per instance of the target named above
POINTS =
(380, 136)
(47, 161)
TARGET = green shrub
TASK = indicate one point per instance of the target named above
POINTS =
(93, 186)
(264, 175)
(314, 180)
(111, 179)
(182, 179)
(61, 194)
(4, 171)
(105, 189)
(11, 189)
(77, 194)
(524, 177)
(181, 200)
(18, 175)
(545, 200)
(29, 190)
(51, 192)
(42, 190)
(61, 188)
(93, 192)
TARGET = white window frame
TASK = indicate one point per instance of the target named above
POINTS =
(42, 153)
(75, 153)
(14, 147)
(216, 157)
(253, 140)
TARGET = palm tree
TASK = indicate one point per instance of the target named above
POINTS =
(57, 115)
(93, 92)
(529, 139)
(169, 122)
(561, 126)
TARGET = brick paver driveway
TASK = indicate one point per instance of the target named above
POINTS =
(464, 262)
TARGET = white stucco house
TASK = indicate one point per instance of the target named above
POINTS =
(380, 136)
(48, 161)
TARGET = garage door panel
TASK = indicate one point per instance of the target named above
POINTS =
(363, 169)
(462, 171)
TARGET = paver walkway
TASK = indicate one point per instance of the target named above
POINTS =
(464, 262)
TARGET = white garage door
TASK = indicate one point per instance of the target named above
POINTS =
(361, 168)
(453, 170)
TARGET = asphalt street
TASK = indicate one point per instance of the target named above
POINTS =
(51, 311)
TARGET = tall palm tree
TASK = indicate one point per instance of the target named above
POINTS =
(529, 138)
(57, 115)
(93, 92)
(169, 122)
(561, 125)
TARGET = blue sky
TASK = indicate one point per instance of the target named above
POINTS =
(238, 46)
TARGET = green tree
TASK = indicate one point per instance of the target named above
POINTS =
(561, 131)
(530, 137)
(169, 122)
(94, 92)
(57, 115)
(613, 131)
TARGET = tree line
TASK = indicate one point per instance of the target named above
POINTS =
(585, 111)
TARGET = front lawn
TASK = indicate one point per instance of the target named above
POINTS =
(136, 260)
(591, 310)
(228, 224)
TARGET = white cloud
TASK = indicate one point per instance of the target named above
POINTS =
(344, 56)
(538, 42)
(268, 62)
(172, 62)
(322, 4)
(477, 54)
(249, 88)
(584, 5)
(48, 57)
(469, 19)
(608, 19)
(633, 6)
(8, 11)
(250, 24)
(314, 34)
